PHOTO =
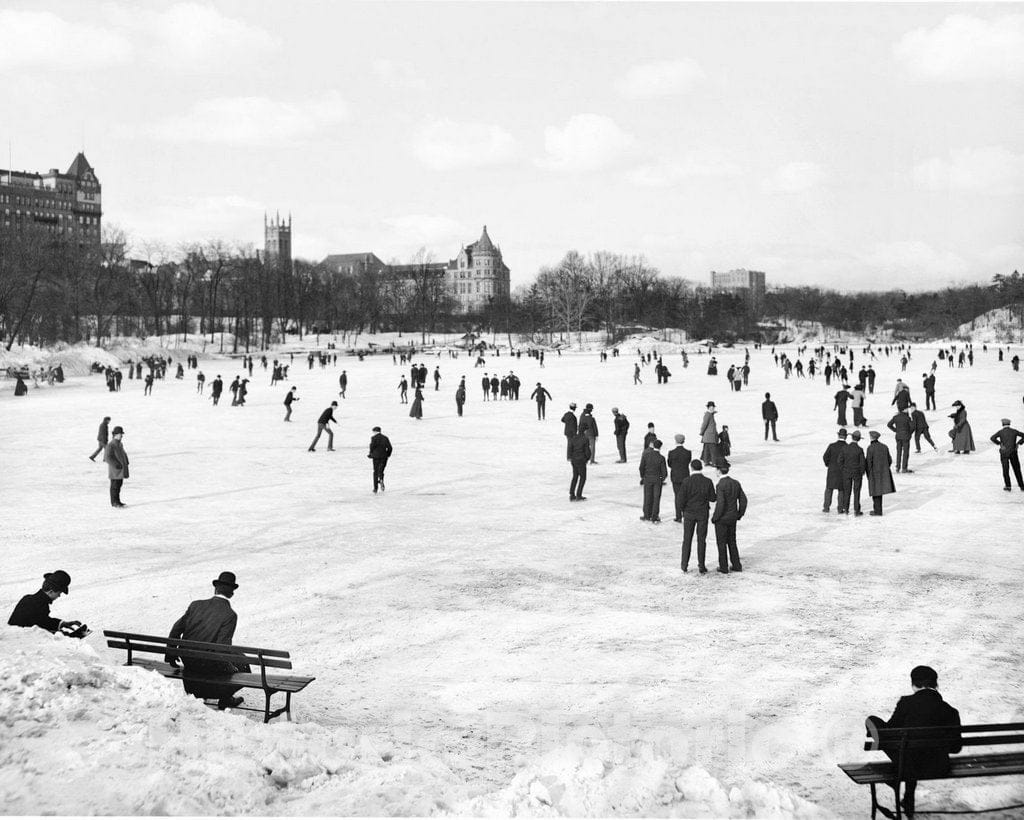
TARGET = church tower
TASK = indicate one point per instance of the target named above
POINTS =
(278, 241)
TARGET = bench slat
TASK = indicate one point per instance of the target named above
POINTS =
(251, 680)
(964, 766)
(270, 653)
(197, 654)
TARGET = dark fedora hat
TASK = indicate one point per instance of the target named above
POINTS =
(226, 579)
(58, 580)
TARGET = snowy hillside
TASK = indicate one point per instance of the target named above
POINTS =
(82, 737)
(999, 326)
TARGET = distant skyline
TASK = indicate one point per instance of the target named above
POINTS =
(848, 145)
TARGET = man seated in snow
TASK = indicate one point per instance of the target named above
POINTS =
(34, 609)
(925, 707)
(211, 620)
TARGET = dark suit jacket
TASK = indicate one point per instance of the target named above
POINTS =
(380, 446)
(569, 420)
(769, 412)
(697, 492)
(579, 448)
(731, 503)
(34, 610)
(833, 458)
(679, 459)
(211, 620)
(902, 425)
(652, 467)
(1008, 440)
(926, 708)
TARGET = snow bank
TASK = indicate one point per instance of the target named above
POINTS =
(608, 779)
(82, 737)
(995, 327)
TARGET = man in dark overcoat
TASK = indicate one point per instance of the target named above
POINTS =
(588, 427)
(697, 495)
(621, 428)
(1009, 440)
(579, 455)
(903, 427)
(380, 452)
(877, 460)
(853, 475)
(653, 473)
(833, 458)
(569, 427)
(925, 707)
(679, 468)
(117, 466)
(770, 415)
(211, 620)
(102, 438)
(34, 609)
(730, 506)
(841, 397)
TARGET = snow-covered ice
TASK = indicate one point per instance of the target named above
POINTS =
(481, 645)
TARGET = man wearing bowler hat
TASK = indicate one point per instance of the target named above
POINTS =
(211, 620)
(117, 466)
(34, 609)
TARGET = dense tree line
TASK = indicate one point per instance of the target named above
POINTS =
(52, 291)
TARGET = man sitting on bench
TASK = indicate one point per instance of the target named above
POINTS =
(923, 708)
(211, 620)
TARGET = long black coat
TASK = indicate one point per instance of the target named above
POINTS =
(878, 460)
(926, 708)
(34, 610)
(652, 467)
(579, 448)
(570, 425)
(902, 425)
(833, 458)
(854, 463)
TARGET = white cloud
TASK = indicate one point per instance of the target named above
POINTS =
(661, 79)
(190, 37)
(962, 47)
(398, 74)
(439, 234)
(444, 145)
(42, 40)
(252, 120)
(991, 169)
(587, 142)
(796, 178)
(904, 263)
(174, 219)
(695, 165)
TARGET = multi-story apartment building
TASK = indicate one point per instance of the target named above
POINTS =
(747, 282)
(475, 278)
(68, 206)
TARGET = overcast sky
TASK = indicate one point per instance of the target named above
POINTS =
(848, 145)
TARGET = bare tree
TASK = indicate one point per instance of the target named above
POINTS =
(567, 290)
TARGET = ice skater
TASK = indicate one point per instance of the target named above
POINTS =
(323, 425)
(380, 452)
(541, 395)
(288, 400)
(416, 411)
(343, 383)
(102, 438)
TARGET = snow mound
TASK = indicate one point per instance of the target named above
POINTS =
(75, 359)
(85, 738)
(998, 326)
(608, 779)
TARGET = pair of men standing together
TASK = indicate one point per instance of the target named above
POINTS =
(696, 494)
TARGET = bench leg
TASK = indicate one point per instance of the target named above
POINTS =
(288, 705)
(266, 711)
(874, 801)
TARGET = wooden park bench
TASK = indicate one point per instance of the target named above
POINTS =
(989, 764)
(199, 650)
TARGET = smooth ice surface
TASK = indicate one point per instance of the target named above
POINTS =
(473, 618)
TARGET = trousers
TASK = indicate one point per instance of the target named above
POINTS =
(902, 453)
(691, 525)
(652, 500)
(620, 442)
(851, 488)
(115, 491)
(579, 478)
(320, 430)
(1013, 459)
(728, 552)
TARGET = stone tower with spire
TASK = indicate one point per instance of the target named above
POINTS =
(278, 240)
(478, 277)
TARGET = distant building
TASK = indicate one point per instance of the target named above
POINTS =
(278, 241)
(748, 282)
(68, 205)
(355, 264)
(475, 278)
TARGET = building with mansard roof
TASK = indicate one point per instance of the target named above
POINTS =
(68, 206)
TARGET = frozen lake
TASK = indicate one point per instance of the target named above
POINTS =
(472, 611)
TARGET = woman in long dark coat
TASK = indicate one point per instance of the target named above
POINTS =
(963, 437)
(416, 411)
(878, 461)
